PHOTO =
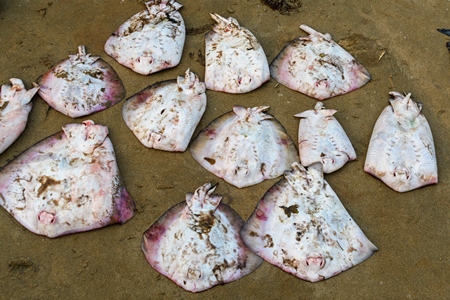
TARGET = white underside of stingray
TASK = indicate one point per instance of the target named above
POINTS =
(245, 147)
(235, 61)
(401, 150)
(81, 85)
(322, 139)
(318, 67)
(15, 105)
(164, 115)
(66, 183)
(197, 243)
(151, 40)
(301, 226)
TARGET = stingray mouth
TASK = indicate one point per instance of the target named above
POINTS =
(322, 83)
(244, 79)
(402, 173)
(145, 59)
(241, 170)
(154, 137)
(327, 160)
(46, 218)
(315, 261)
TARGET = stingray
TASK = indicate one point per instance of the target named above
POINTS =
(197, 243)
(301, 226)
(244, 147)
(164, 115)
(401, 150)
(81, 85)
(322, 138)
(66, 183)
(151, 40)
(15, 105)
(235, 61)
(318, 67)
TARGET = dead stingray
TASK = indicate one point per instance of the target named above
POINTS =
(401, 150)
(244, 147)
(318, 67)
(197, 243)
(235, 61)
(322, 138)
(81, 85)
(151, 40)
(164, 115)
(66, 183)
(15, 105)
(301, 226)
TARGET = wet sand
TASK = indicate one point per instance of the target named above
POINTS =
(396, 41)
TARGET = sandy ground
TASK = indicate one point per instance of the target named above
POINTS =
(411, 229)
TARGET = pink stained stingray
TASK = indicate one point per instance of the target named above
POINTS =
(81, 85)
(197, 243)
(301, 226)
(317, 66)
(15, 105)
(66, 183)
